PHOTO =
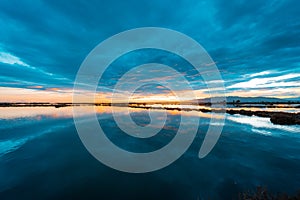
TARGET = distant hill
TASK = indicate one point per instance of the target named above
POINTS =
(251, 99)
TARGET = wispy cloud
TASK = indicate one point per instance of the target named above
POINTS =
(259, 74)
(8, 58)
(279, 81)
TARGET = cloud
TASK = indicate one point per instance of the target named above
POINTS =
(259, 74)
(248, 41)
(278, 81)
(7, 58)
(35, 87)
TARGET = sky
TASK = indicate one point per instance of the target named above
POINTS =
(255, 45)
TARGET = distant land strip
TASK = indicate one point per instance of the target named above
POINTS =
(281, 118)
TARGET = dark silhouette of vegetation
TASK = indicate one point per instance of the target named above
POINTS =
(282, 118)
(262, 193)
(236, 103)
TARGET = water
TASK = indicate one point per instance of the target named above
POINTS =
(42, 157)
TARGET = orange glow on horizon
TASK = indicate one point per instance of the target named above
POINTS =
(61, 95)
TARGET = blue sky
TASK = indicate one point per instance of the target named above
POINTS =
(255, 44)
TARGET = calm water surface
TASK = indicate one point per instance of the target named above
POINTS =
(42, 157)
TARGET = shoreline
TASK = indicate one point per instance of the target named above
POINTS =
(279, 118)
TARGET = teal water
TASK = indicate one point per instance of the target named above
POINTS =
(42, 157)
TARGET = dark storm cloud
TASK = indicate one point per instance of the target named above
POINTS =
(53, 37)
